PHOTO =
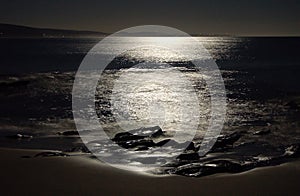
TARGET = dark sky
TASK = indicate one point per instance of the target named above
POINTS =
(241, 17)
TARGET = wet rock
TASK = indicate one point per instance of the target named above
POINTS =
(192, 147)
(125, 136)
(152, 132)
(187, 146)
(292, 151)
(195, 170)
(224, 141)
(51, 154)
(167, 142)
(68, 133)
(136, 143)
(263, 132)
(140, 139)
(93, 157)
(157, 133)
(192, 169)
(188, 156)
(234, 159)
(141, 148)
(202, 169)
(225, 166)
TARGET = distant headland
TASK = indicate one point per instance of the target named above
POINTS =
(17, 31)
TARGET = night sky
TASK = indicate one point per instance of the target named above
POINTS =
(255, 17)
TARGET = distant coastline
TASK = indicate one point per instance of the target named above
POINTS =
(17, 31)
(20, 31)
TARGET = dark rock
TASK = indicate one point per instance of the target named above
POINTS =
(192, 147)
(263, 132)
(153, 132)
(137, 139)
(188, 156)
(227, 140)
(93, 157)
(292, 151)
(140, 138)
(51, 154)
(203, 169)
(164, 142)
(20, 136)
(225, 166)
(68, 133)
(237, 159)
(141, 148)
(195, 170)
(157, 133)
(191, 169)
(188, 146)
(125, 136)
(135, 143)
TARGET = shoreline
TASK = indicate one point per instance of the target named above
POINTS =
(79, 175)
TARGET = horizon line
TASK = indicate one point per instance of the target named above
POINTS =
(192, 34)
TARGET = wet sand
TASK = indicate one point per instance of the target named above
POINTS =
(80, 175)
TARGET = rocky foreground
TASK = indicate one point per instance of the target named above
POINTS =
(227, 155)
(224, 156)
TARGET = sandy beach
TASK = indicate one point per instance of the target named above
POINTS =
(80, 175)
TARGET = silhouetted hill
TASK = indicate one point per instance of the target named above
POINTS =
(8, 30)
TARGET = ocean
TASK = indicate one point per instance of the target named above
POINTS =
(261, 77)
